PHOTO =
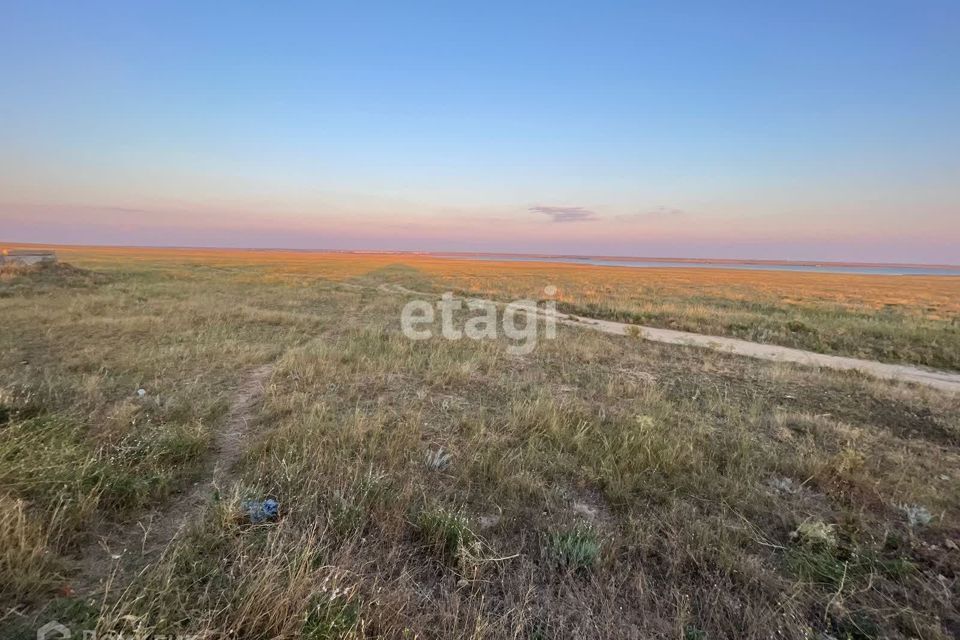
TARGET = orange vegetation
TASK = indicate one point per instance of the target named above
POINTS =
(934, 297)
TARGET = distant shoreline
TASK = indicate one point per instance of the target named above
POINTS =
(828, 266)
(547, 257)
(851, 268)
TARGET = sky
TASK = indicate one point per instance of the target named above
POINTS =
(774, 130)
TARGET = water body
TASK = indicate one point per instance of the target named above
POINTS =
(888, 270)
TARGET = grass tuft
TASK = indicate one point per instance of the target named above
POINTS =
(577, 548)
(446, 532)
(332, 616)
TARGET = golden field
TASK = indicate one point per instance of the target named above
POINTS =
(908, 319)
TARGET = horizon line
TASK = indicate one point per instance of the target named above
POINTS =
(546, 256)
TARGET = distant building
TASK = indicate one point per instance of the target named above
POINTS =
(26, 256)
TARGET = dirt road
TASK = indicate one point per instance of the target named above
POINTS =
(942, 380)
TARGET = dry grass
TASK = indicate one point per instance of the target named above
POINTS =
(598, 487)
(909, 319)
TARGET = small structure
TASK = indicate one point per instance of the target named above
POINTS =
(26, 256)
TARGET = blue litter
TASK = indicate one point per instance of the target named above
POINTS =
(262, 511)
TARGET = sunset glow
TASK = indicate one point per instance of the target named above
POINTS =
(820, 132)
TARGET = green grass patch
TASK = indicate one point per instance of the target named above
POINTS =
(577, 548)
(446, 532)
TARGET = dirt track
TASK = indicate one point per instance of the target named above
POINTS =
(942, 380)
(125, 549)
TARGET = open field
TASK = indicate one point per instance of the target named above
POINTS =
(601, 486)
(900, 319)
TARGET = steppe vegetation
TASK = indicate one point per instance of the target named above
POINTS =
(900, 319)
(601, 486)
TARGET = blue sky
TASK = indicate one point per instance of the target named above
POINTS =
(770, 130)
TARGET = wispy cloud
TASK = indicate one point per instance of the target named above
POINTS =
(566, 214)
